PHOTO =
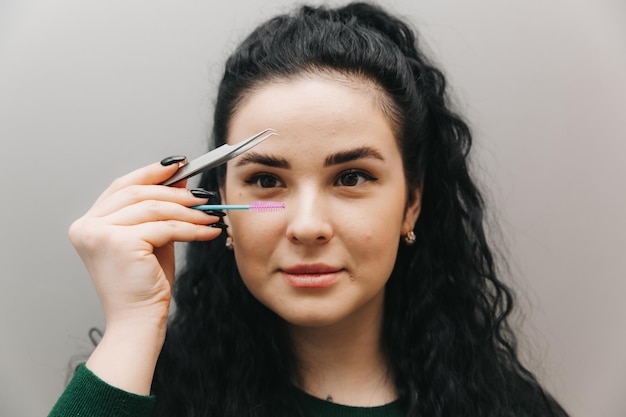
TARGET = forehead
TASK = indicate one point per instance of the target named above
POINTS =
(313, 109)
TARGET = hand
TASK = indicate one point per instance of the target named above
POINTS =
(126, 240)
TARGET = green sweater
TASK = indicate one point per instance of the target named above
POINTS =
(89, 396)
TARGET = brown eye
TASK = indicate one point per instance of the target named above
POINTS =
(352, 178)
(265, 181)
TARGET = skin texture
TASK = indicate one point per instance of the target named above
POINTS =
(323, 262)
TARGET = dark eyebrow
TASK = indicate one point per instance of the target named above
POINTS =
(334, 159)
(351, 155)
(257, 158)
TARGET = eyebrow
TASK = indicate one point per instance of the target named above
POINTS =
(257, 158)
(334, 159)
(352, 155)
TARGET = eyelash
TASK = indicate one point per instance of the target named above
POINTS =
(362, 174)
(257, 179)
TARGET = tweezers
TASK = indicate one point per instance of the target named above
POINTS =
(218, 156)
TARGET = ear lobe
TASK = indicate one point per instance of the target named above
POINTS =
(413, 210)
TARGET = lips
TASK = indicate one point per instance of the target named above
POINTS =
(311, 275)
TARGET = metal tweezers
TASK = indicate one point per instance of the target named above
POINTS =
(218, 156)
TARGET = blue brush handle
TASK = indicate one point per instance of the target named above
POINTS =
(206, 207)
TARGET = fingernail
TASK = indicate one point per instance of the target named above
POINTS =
(171, 160)
(219, 225)
(217, 213)
(202, 193)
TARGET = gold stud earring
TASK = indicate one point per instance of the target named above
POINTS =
(409, 238)
(229, 243)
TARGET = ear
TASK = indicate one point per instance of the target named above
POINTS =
(414, 206)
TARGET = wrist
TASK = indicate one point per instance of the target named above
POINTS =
(127, 354)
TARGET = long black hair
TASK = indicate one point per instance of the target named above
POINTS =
(445, 332)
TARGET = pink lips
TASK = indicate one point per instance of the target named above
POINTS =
(311, 275)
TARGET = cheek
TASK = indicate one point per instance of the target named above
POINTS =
(381, 243)
(254, 230)
(371, 235)
(255, 236)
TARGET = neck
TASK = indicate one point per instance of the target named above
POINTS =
(344, 362)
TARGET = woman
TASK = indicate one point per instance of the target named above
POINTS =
(373, 293)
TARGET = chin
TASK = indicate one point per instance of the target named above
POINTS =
(310, 320)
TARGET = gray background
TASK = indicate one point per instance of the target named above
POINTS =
(90, 90)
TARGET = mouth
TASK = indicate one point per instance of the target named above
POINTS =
(311, 275)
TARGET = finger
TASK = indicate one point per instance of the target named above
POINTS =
(133, 194)
(156, 210)
(161, 233)
(152, 174)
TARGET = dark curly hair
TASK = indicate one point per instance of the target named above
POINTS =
(445, 331)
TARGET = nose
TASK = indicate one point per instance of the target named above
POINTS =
(309, 219)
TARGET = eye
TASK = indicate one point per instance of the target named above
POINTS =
(352, 178)
(265, 180)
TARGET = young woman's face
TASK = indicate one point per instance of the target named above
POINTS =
(337, 167)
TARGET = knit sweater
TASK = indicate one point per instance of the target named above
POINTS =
(88, 395)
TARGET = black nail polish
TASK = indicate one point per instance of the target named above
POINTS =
(202, 193)
(219, 225)
(217, 213)
(171, 160)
